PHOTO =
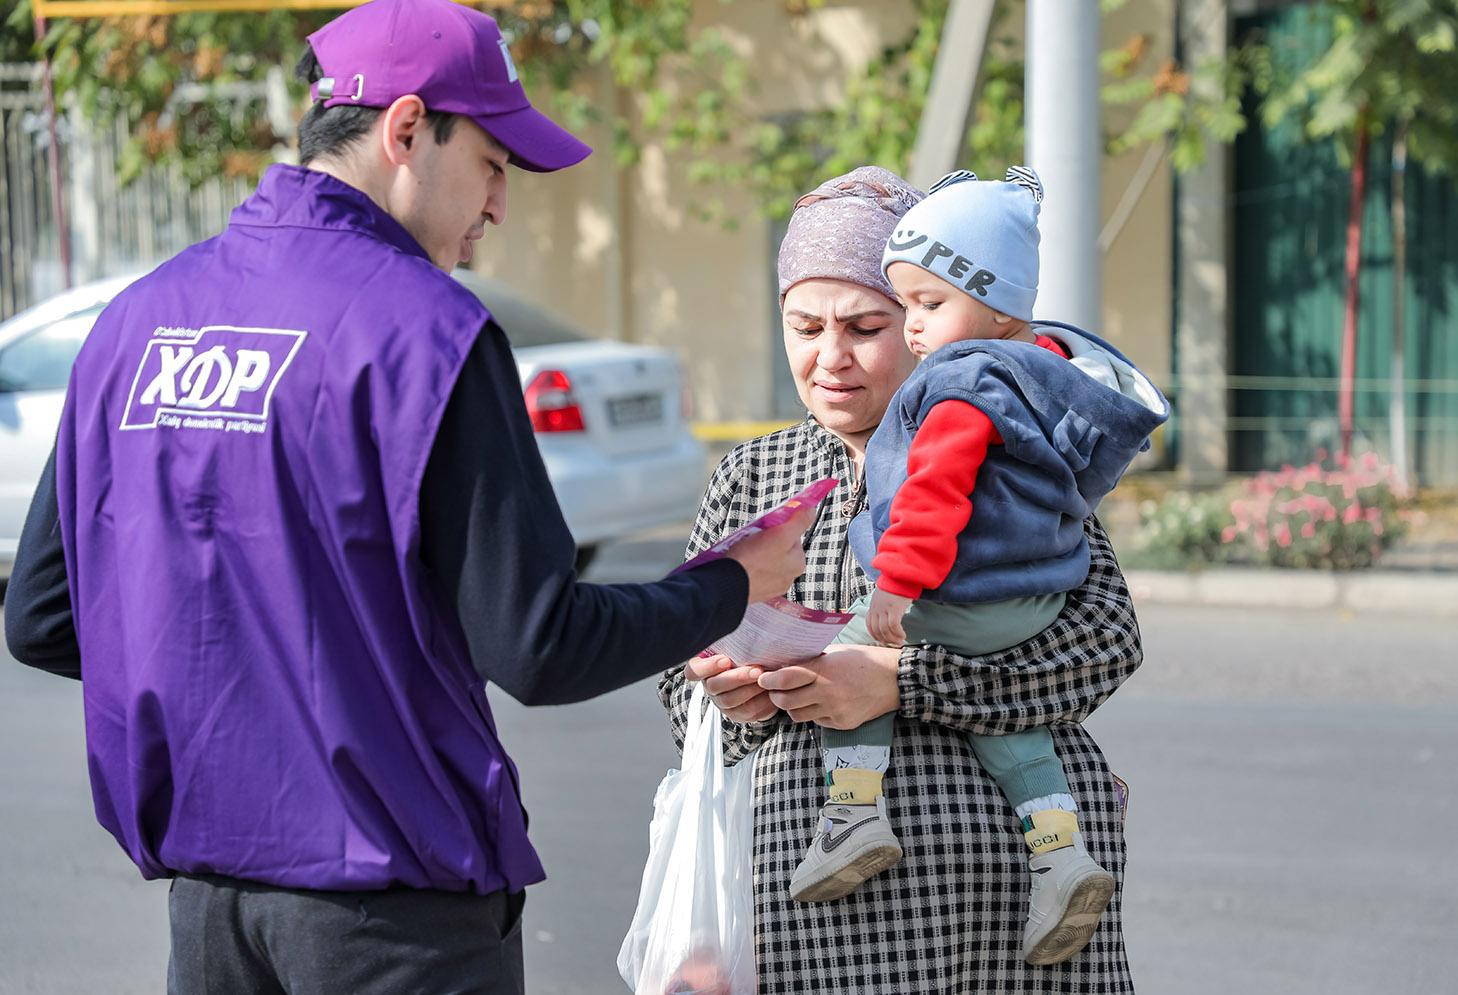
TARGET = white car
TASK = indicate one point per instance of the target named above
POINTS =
(611, 418)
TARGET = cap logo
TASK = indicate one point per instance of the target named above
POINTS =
(904, 239)
(941, 259)
(506, 57)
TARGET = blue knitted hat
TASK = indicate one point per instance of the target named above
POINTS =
(980, 236)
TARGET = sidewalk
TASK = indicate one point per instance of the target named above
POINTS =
(1414, 592)
(1417, 576)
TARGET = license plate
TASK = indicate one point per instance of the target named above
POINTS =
(639, 409)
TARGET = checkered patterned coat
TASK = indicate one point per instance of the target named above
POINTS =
(949, 917)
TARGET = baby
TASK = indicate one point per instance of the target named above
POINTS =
(979, 479)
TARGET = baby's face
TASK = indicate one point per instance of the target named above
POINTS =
(938, 313)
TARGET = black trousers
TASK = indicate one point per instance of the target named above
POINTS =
(233, 937)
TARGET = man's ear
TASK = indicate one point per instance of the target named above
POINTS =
(403, 124)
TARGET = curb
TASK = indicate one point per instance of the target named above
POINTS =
(1417, 593)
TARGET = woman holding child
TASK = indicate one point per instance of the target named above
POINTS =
(948, 910)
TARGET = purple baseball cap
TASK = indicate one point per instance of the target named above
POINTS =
(453, 58)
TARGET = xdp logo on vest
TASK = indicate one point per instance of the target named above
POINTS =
(220, 378)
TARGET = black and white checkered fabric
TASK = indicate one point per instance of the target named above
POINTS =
(949, 917)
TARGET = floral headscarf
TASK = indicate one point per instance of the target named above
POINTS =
(839, 229)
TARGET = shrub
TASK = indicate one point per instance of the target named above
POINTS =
(1312, 516)
(1183, 530)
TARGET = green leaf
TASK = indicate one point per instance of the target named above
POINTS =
(1335, 112)
(1224, 120)
(1441, 38)
(1128, 91)
(1157, 118)
(1399, 15)
(1188, 151)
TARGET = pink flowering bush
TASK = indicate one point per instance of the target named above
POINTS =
(1313, 516)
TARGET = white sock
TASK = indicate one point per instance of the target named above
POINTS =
(1043, 804)
(859, 756)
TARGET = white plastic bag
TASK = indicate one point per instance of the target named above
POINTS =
(693, 929)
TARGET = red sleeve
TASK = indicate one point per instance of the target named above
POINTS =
(1053, 345)
(933, 506)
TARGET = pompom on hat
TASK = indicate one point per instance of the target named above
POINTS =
(981, 236)
(838, 230)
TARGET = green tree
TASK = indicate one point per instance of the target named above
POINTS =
(877, 120)
(140, 67)
(1391, 68)
(17, 31)
(678, 81)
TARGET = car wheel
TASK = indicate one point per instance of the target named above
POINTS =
(585, 556)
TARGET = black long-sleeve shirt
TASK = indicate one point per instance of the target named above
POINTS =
(495, 543)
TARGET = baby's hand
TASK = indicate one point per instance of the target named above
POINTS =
(883, 618)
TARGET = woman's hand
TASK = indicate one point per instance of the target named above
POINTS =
(734, 690)
(840, 689)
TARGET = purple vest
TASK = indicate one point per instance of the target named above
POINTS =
(273, 690)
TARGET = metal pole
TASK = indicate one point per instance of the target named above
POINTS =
(53, 159)
(1066, 149)
(1347, 395)
(1397, 396)
(1065, 146)
(949, 99)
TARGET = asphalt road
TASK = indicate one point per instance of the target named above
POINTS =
(1293, 786)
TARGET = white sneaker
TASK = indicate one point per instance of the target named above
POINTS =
(1070, 893)
(853, 843)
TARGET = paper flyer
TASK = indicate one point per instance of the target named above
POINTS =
(778, 632)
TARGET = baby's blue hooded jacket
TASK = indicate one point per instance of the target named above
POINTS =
(1070, 428)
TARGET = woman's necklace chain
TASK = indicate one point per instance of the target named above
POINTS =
(849, 509)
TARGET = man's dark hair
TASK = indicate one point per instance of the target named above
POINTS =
(331, 131)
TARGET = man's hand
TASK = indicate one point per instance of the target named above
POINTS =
(883, 618)
(773, 558)
(840, 689)
(735, 690)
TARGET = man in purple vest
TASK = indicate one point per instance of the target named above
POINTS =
(295, 520)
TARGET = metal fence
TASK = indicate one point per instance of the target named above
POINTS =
(114, 228)
(1295, 422)
(27, 230)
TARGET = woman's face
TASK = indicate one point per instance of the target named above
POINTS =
(846, 352)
